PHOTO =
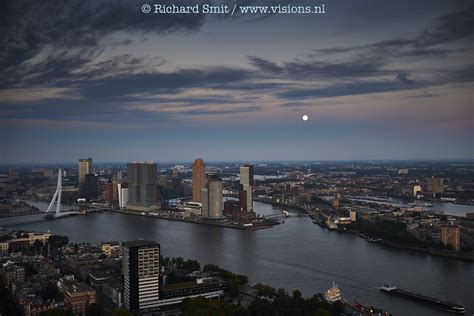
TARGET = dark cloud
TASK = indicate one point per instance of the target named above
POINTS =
(29, 25)
(447, 28)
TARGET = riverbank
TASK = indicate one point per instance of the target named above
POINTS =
(255, 226)
(391, 244)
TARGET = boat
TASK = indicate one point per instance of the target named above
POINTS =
(357, 309)
(333, 294)
(437, 303)
(362, 235)
(286, 213)
(374, 239)
(428, 204)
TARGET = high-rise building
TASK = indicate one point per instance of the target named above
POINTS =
(451, 235)
(246, 188)
(336, 201)
(199, 179)
(436, 185)
(85, 168)
(141, 185)
(122, 189)
(141, 275)
(212, 197)
(109, 192)
(90, 188)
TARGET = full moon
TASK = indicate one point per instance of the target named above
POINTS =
(305, 117)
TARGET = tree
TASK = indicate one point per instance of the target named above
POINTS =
(121, 312)
(94, 309)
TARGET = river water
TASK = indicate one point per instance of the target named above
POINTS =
(294, 255)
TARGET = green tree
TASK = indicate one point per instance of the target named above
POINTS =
(94, 310)
(121, 312)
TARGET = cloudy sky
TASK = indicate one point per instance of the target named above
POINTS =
(378, 80)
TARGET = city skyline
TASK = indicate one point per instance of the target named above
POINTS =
(378, 81)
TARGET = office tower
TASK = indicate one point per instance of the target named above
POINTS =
(212, 197)
(109, 192)
(199, 179)
(90, 188)
(436, 185)
(246, 188)
(141, 185)
(141, 275)
(114, 190)
(336, 201)
(85, 168)
(122, 189)
(451, 235)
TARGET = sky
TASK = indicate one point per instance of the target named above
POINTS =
(101, 79)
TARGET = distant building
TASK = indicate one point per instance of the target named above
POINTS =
(212, 197)
(48, 173)
(109, 192)
(110, 249)
(85, 168)
(142, 186)
(353, 216)
(436, 185)
(12, 174)
(141, 275)
(199, 179)
(451, 235)
(416, 189)
(246, 188)
(336, 201)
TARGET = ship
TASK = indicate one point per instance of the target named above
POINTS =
(357, 309)
(286, 213)
(437, 303)
(333, 294)
(428, 204)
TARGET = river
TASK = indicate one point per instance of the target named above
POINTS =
(294, 255)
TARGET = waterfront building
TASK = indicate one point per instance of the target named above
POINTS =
(451, 235)
(435, 185)
(122, 189)
(353, 215)
(142, 186)
(246, 188)
(199, 179)
(212, 197)
(85, 168)
(43, 237)
(141, 275)
(110, 249)
(90, 188)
